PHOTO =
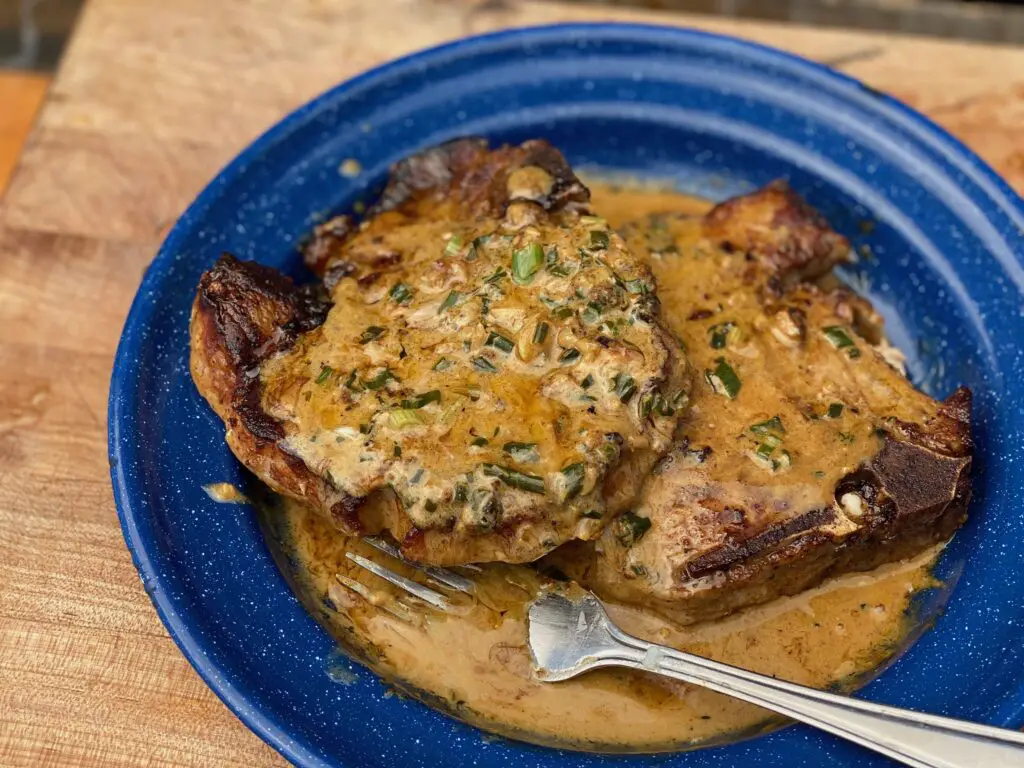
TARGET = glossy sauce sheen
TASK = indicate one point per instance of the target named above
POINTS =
(475, 664)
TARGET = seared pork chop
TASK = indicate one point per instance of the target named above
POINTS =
(491, 355)
(806, 452)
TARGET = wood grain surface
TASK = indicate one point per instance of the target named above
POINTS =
(152, 99)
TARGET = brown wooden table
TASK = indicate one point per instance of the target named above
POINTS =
(152, 99)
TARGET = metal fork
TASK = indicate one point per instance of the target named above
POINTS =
(571, 634)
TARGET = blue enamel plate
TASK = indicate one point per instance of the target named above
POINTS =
(713, 115)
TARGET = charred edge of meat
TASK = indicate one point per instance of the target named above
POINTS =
(923, 483)
(325, 243)
(253, 312)
(780, 229)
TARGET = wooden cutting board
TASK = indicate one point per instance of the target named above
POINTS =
(152, 99)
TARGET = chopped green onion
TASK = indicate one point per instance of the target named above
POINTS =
(835, 410)
(418, 401)
(371, 333)
(397, 451)
(405, 417)
(588, 381)
(569, 356)
(631, 527)
(364, 429)
(461, 493)
(325, 374)
(520, 480)
(526, 261)
(450, 301)
(593, 514)
(443, 364)
(591, 314)
(559, 270)
(598, 240)
(454, 246)
(522, 452)
(723, 380)
(625, 387)
(478, 442)
(430, 505)
(563, 313)
(639, 286)
(381, 379)
(415, 479)
(351, 382)
(480, 242)
(772, 426)
(767, 448)
(840, 339)
(498, 341)
(495, 276)
(540, 333)
(400, 293)
(720, 334)
(483, 364)
(573, 476)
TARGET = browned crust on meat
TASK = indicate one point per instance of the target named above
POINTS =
(779, 230)
(243, 313)
(463, 172)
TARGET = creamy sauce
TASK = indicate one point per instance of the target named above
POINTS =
(474, 664)
(225, 493)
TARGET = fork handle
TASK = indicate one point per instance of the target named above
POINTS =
(916, 739)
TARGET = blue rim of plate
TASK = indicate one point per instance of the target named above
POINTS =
(990, 193)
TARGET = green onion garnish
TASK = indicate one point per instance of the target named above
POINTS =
(625, 387)
(405, 417)
(563, 313)
(325, 374)
(371, 333)
(418, 401)
(478, 442)
(723, 380)
(720, 334)
(569, 357)
(835, 410)
(397, 451)
(630, 528)
(591, 314)
(498, 341)
(767, 448)
(450, 301)
(480, 242)
(772, 426)
(593, 514)
(840, 339)
(521, 452)
(573, 476)
(485, 365)
(639, 286)
(495, 276)
(351, 382)
(526, 261)
(587, 382)
(461, 493)
(443, 364)
(381, 379)
(430, 505)
(454, 246)
(598, 240)
(520, 480)
(540, 333)
(400, 293)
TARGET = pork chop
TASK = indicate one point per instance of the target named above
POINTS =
(491, 356)
(806, 453)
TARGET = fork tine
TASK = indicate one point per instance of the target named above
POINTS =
(425, 594)
(442, 575)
